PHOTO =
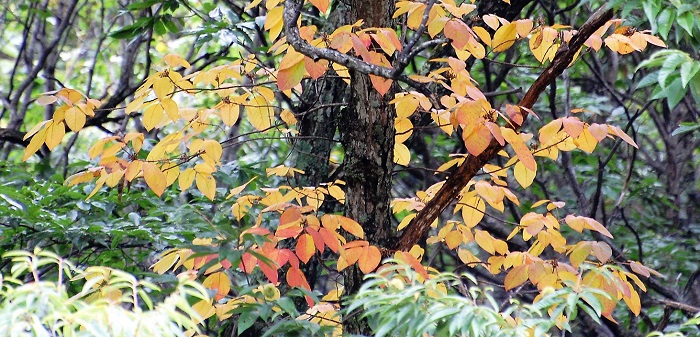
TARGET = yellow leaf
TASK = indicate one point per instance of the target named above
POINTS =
(288, 117)
(54, 134)
(212, 151)
(174, 60)
(155, 178)
(162, 86)
(492, 194)
(166, 261)
(81, 177)
(467, 257)
(633, 301)
(75, 119)
(336, 192)
(473, 210)
(504, 37)
(404, 128)
(585, 141)
(229, 112)
(274, 22)
(579, 253)
(351, 226)
(36, 143)
(549, 131)
(405, 221)
(236, 191)
(523, 175)
(170, 108)
(207, 185)
(453, 239)
(171, 174)
(402, 155)
(134, 105)
(260, 112)
(485, 241)
(35, 129)
(483, 35)
(114, 178)
(152, 116)
(98, 184)
(133, 170)
(437, 25)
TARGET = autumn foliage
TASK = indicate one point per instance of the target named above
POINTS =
(286, 227)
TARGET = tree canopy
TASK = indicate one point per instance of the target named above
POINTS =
(400, 168)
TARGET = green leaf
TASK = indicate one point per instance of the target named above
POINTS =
(246, 320)
(142, 5)
(651, 78)
(676, 92)
(687, 21)
(665, 21)
(686, 127)
(288, 306)
(688, 71)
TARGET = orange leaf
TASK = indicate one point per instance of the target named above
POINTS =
(521, 149)
(352, 255)
(330, 239)
(476, 138)
(351, 226)
(318, 239)
(322, 5)
(412, 261)
(599, 131)
(305, 247)
(573, 126)
(295, 278)
(458, 31)
(219, 282)
(516, 277)
(371, 256)
(289, 77)
(315, 69)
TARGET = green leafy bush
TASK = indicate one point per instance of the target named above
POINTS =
(97, 301)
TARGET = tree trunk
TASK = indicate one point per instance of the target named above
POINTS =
(367, 129)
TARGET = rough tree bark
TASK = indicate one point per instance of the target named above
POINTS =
(367, 130)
